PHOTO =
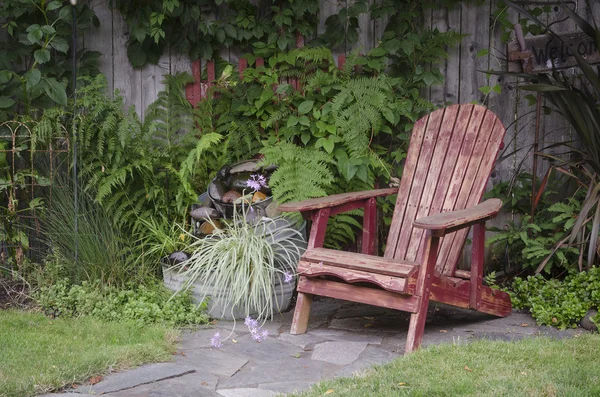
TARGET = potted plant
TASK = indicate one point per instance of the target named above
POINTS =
(245, 270)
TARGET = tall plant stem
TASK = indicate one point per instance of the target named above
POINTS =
(75, 190)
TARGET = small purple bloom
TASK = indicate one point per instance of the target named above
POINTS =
(256, 181)
(252, 184)
(215, 341)
(259, 335)
(288, 277)
(250, 323)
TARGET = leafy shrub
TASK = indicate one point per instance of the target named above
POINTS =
(539, 242)
(558, 303)
(151, 303)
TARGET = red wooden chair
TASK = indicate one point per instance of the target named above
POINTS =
(451, 154)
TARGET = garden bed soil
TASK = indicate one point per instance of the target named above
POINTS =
(13, 294)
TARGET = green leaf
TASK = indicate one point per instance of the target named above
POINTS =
(42, 55)
(305, 107)
(34, 33)
(36, 203)
(481, 53)
(220, 35)
(429, 78)
(305, 137)
(328, 145)
(53, 5)
(347, 169)
(304, 121)
(47, 29)
(5, 76)
(389, 115)
(292, 121)
(65, 13)
(60, 44)
(6, 102)
(140, 33)
(55, 91)
(531, 99)
(377, 52)
(136, 54)
(231, 31)
(32, 77)
(282, 43)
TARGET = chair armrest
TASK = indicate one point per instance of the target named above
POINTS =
(447, 222)
(335, 200)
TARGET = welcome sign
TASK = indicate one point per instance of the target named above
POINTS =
(544, 51)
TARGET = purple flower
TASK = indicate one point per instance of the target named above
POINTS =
(215, 341)
(256, 181)
(288, 277)
(252, 184)
(256, 333)
(251, 323)
(259, 335)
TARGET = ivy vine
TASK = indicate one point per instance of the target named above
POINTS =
(201, 29)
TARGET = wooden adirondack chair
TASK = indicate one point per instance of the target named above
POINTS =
(451, 154)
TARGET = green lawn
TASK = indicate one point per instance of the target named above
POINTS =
(532, 367)
(39, 354)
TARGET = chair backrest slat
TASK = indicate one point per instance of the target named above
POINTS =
(450, 157)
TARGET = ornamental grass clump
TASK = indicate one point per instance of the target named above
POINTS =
(246, 264)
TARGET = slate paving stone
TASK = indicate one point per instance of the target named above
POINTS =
(135, 377)
(212, 361)
(201, 339)
(247, 392)
(302, 341)
(561, 333)
(341, 335)
(272, 325)
(286, 387)
(297, 369)
(269, 350)
(341, 353)
(192, 385)
(67, 394)
(370, 356)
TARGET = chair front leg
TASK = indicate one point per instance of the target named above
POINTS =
(477, 265)
(301, 313)
(423, 290)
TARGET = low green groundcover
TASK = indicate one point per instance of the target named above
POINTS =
(532, 367)
(39, 354)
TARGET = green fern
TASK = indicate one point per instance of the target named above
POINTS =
(303, 173)
(359, 110)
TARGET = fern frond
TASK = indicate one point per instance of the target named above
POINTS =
(303, 173)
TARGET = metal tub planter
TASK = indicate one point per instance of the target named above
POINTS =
(244, 269)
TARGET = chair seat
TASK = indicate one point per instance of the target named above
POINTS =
(355, 261)
(389, 274)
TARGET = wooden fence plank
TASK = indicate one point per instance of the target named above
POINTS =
(101, 39)
(126, 79)
(152, 77)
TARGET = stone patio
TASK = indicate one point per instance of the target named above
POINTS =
(343, 339)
